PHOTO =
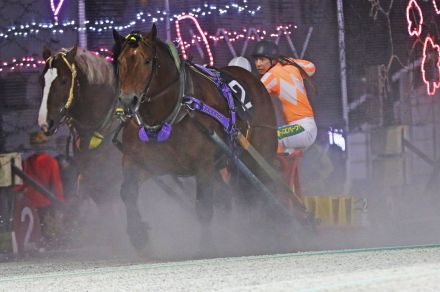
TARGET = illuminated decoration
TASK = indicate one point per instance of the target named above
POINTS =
(32, 63)
(184, 45)
(205, 10)
(199, 39)
(413, 10)
(25, 30)
(56, 10)
(246, 34)
(25, 63)
(434, 3)
(428, 48)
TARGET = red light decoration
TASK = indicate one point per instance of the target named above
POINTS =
(434, 3)
(202, 35)
(428, 47)
(413, 8)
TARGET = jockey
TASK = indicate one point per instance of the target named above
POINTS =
(241, 62)
(284, 79)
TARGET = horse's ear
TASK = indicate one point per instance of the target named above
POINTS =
(70, 55)
(119, 39)
(153, 32)
(46, 53)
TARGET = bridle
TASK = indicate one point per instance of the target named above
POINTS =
(161, 131)
(136, 38)
(63, 113)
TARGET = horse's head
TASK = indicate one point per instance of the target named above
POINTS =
(136, 64)
(58, 81)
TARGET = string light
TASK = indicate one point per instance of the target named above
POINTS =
(246, 34)
(32, 63)
(431, 86)
(34, 28)
(24, 63)
(234, 36)
(414, 29)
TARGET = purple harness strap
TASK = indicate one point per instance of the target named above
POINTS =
(161, 133)
(194, 103)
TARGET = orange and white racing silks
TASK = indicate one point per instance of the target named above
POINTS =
(296, 128)
(286, 82)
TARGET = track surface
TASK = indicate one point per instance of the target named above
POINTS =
(390, 269)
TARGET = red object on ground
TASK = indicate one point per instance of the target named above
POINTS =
(45, 170)
(26, 226)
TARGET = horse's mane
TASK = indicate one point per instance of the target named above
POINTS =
(96, 68)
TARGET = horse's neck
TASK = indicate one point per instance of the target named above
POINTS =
(167, 72)
(94, 104)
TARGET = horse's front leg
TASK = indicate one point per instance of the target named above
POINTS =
(137, 229)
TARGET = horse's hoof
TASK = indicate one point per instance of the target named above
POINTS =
(138, 235)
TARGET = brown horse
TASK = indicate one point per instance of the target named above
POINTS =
(79, 88)
(152, 84)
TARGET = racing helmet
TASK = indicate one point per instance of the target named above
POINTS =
(266, 49)
(241, 62)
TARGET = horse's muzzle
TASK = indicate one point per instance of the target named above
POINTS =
(131, 101)
(126, 98)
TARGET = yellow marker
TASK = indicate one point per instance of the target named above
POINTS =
(96, 140)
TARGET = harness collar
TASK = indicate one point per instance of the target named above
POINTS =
(162, 131)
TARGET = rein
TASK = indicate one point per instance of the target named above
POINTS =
(162, 131)
(137, 38)
(63, 113)
(72, 68)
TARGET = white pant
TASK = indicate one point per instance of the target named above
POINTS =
(298, 134)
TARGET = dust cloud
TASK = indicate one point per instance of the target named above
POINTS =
(394, 217)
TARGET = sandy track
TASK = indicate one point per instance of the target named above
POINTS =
(407, 269)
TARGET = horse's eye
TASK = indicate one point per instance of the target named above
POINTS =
(63, 81)
(147, 61)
